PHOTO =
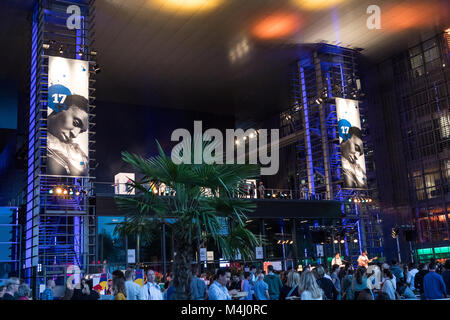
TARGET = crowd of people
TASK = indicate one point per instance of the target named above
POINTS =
(377, 281)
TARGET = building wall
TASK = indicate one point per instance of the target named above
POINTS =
(411, 111)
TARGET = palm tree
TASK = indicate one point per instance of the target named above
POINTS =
(203, 195)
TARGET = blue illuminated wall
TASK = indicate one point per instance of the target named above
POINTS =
(8, 105)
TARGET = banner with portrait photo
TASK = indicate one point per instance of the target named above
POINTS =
(351, 143)
(68, 117)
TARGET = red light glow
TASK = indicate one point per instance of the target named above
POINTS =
(276, 26)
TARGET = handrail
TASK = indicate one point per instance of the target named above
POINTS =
(113, 189)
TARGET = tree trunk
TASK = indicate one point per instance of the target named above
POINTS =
(182, 269)
(138, 249)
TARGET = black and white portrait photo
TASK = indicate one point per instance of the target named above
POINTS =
(353, 162)
(353, 173)
(68, 117)
(65, 156)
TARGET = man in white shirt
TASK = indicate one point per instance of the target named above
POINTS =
(411, 276)
(218, 290)
(151, 290)
(363, 260)
(337, 260)
(134, 291)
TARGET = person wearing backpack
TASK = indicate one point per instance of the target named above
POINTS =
(274, 283)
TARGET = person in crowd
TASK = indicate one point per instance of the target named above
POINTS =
(88, 291)
(274, 282)
(326, 274)
(304, 192)
(343, 271)
(336, 280)
(48, 292)
(309, 289)
(151, 290)
(261, 288)
(365, 294)
(359, 281)
(68, 291)
(198, 287)
(418, 279)
(291, 288)
(411, 276)
(446, 275)
(12, 285)
(252, 189)
(119, 289)
(337, 260)
(247, 286)
(109, 288)
(397, 272)
(118, 274)
(382, 296)
(253, 274)
(2, 291)
(170, 291)
(77, 290)
(24, 292)
(330, 292)
(388, 286)
(218, 290)
(346, 286)
(433, 284)
(261, 190)
(134, 291)
(85, 290)
(386, 266)
(235, 283)
(405, 291)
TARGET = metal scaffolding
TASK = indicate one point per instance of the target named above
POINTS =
(325, 73)
(59, 231)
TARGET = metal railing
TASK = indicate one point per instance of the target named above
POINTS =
(114, 189)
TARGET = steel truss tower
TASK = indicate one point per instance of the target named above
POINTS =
(324, 73)
(59, 230)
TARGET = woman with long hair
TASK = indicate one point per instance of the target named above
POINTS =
(346, 285)
(291, 287)
(119, 289)
(388, 286)
(309, 289)
(359, 282)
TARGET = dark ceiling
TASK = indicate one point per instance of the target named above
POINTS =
(224, 56)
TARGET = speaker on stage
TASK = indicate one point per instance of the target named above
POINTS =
(410, 235)
(318, 236)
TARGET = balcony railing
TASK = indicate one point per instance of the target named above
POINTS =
(115, 189)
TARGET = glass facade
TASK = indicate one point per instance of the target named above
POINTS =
(414, 99)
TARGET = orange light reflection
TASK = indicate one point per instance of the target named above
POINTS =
(278, 25)
(410, 16)
(317, 4)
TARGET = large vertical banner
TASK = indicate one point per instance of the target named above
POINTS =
(351, 142)
(67, 117)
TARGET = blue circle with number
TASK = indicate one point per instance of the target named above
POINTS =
(57, 94)
(344, 127)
